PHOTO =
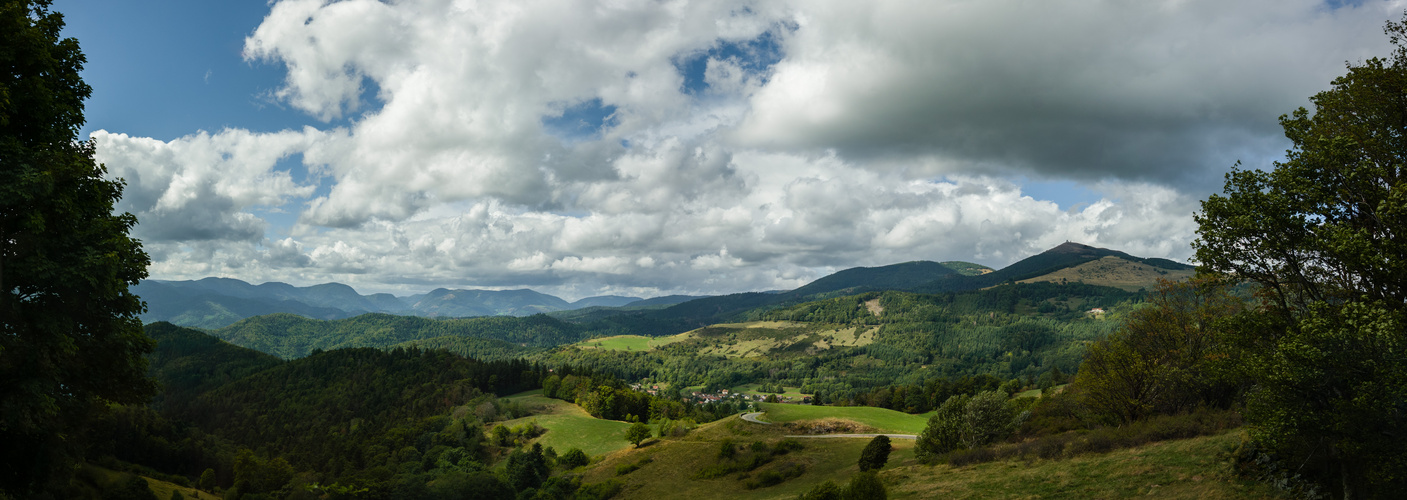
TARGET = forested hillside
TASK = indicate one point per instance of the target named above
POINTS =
(290, 336)
(403, 423)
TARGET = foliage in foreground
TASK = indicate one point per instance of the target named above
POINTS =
(1321, 234)
(71, 340)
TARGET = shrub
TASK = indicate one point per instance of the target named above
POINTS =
(824, 491)
(726, 450)
(865, 486)
(600, 491)
(786, 445)
(875, 454)
(573, 458)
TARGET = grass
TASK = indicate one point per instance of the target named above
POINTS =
(1115, 272)
(628, 342)
(670, 471)
(568, 426)
(107, 479)
(762, 338)
(1173, 469)
(883, 420)
(1186, 468)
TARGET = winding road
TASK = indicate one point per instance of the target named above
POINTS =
(752, 417)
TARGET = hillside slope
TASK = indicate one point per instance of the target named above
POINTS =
(1116, 272)
(289, 336)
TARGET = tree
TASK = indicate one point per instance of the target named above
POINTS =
(875, 454)
(637, 433)
(944, 430)
(526, 469)
(987, 418)
(1322, 235)
(207, 480)
(1167, 358)
(71, 341)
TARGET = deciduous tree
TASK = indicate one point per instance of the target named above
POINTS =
(637, 433)
(1324, 234)
(70, 339)
(1168, 357)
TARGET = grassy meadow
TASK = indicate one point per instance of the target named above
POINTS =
(107, 480)
(568, 426)
(881, 419)
(1171, 469)
(628, 342)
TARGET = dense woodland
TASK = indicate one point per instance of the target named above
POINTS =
(360, 422)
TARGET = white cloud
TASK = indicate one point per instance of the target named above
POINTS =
(201, 186)
(814, 136)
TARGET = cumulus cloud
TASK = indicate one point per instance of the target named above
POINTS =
(642, 147)
(1163, 91)
(201, 186)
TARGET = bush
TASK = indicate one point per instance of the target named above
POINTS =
(824, 491)
(726, 450)
(875, 454)
(573, 458)
(1160, 428)
(133, 488)
(786, 445)
(865, 486)
(774, 477)
(623, 469)
(600, 491)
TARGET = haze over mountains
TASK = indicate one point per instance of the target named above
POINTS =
(218, 302)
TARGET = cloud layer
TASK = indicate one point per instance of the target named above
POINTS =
(645, 147)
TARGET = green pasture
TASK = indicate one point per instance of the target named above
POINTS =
(882, 419)
(628, 342)
(1172, 469)
(568, 426)
(1187, 468)
(105, 479)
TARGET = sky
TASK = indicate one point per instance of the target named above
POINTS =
(653, 147)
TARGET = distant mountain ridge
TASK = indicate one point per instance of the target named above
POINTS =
(218, 302)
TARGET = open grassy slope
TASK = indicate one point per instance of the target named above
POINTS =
(1116, 272)
(1173, 469)
(882, 420)
(630, 342)
(106, 479)
(761, 338)
(568, 426)
(1186, 468)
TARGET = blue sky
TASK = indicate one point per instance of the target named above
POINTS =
(687, 147)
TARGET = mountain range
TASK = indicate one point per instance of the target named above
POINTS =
(218, 302)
